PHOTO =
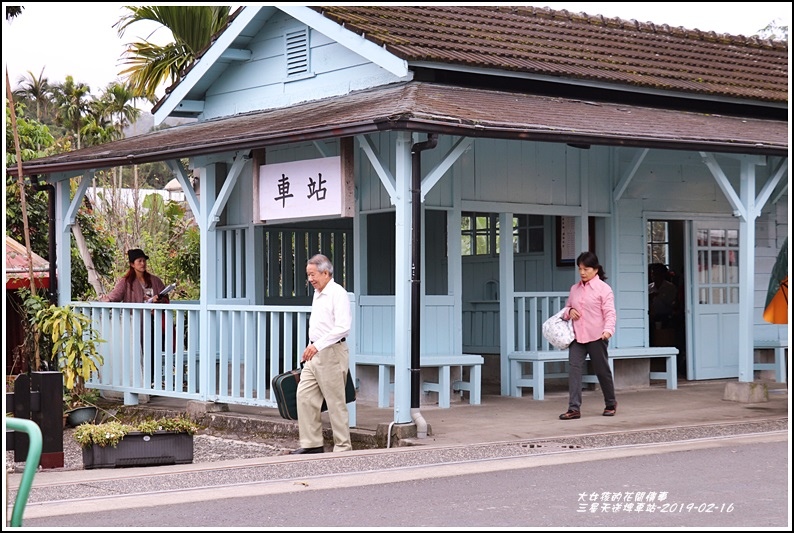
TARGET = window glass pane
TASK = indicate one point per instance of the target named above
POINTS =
(658, 245)
(702, 237)
(481, 246)
(474, 234)
(718, 295)
(734, 295)
(703, 296)
(703, 268)
(733, 267)
(717, 237)
(527, 233)
(733, 238)
(718, 274)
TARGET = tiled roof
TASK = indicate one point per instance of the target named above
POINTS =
(545, 42)
(428, 107)
(18, 266)
(530, 42)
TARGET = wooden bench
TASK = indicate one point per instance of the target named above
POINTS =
(529, 347)
(779, 366)
(538, 360)
(443, 386)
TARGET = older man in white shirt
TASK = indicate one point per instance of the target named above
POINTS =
(326, 361)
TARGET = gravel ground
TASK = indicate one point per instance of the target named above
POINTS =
(208, 447)
(211, 446)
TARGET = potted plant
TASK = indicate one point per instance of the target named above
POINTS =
(74, 342)
(79, 408)
(113, 444)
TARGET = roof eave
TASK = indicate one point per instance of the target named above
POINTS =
(407, 123)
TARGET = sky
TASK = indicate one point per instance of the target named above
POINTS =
(78, 39)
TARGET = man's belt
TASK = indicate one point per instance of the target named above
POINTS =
(343, 339)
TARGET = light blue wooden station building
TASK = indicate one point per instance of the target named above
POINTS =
(471, 152)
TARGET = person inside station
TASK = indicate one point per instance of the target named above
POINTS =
(662, 305)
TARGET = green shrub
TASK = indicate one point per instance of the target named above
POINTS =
(110, 433)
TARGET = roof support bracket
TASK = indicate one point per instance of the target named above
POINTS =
(240, 159)
(639, 156)
(74, 205)
(385, 176)
(724, 184)
(449, 159)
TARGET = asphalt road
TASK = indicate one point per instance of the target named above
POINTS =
(730, 482)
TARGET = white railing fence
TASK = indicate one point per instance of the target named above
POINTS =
(531, 310)
(154, 349)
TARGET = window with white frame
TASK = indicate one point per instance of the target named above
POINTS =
(480, 234)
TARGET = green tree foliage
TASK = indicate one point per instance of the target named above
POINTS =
(71, 100)
(55, 117)
(36, 90)
(192, 28)
(102, 248)
(37, 348)
(35, 141)
(167, 233)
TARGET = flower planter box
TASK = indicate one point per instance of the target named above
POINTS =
(142, 449)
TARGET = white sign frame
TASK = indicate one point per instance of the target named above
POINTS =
(306, 189)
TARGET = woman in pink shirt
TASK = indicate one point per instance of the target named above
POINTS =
(591, 306)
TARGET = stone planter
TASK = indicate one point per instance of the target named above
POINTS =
(142, 449)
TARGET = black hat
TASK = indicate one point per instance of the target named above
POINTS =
(135, 253)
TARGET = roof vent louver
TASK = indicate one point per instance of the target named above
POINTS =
(297, 48)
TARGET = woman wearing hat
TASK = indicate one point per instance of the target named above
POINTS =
(137, 285)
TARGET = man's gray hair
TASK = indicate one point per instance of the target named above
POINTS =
(322, 263)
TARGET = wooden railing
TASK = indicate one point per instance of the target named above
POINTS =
(154, 349)
(531, 310)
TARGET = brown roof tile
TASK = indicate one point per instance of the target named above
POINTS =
(546, 42)
(539, 42)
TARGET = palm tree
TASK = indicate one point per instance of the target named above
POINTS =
(120, 104)
(36, 90)
(97, 127)
(192, 28)
(72, 105)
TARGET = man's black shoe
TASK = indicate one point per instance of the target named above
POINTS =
(318, 449)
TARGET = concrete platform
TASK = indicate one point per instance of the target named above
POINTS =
(502, 418)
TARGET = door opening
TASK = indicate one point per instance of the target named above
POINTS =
(667, 291)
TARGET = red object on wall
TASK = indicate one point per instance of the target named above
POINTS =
(18, 277)
(18, 269)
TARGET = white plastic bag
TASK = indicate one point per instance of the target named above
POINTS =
(558, 332)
